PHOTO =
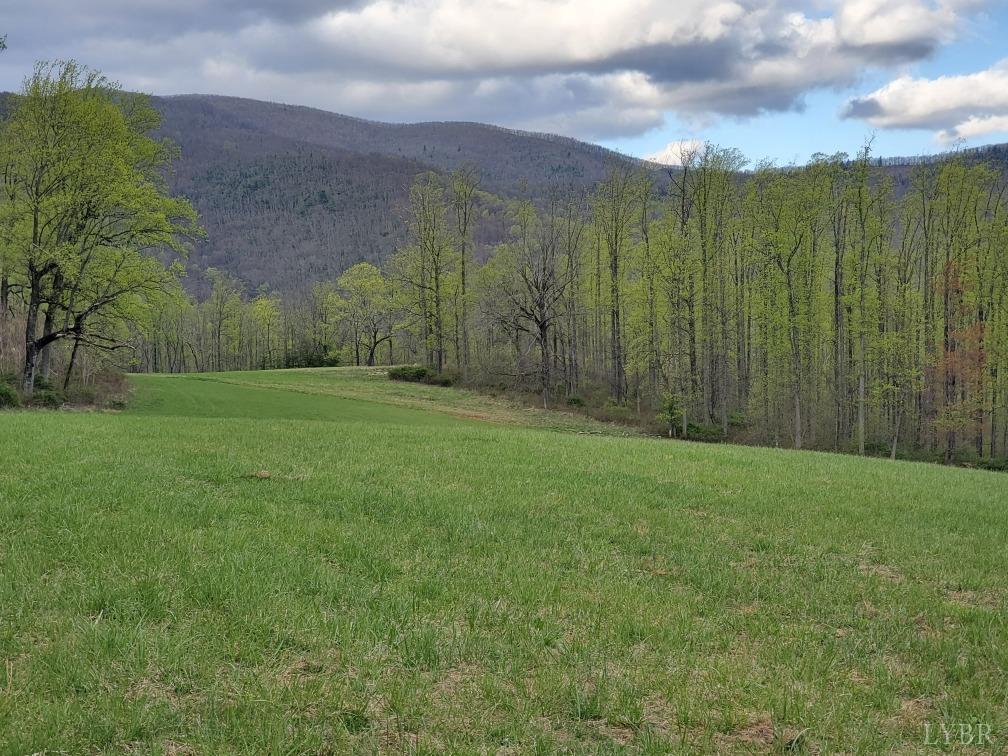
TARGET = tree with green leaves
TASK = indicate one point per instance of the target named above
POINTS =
(614, 205)
(464, 187)
(368, 308)
(85, 209)
(426, 266)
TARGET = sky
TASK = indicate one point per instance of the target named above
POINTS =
(780, 80)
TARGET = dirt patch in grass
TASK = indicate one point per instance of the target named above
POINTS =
(882, 571)
(394, 740)
(171, 748)
(857, 677)
(913, 713)
(619, 734)
(975, 599)
(151, 688)
(455, 680)
(655, 566)
(758, 737)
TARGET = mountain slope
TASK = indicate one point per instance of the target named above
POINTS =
(507, 158)
(289, 195)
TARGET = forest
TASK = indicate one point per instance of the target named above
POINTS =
(824, 306)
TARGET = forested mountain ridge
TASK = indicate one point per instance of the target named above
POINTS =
(289, 195)
(507, 158)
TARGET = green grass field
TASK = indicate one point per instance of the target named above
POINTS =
(327, 562)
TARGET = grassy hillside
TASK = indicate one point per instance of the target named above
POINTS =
(323, 561)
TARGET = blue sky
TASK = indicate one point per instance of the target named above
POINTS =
(794, 136)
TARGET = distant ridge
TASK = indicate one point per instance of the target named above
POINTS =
(291, 194)
(995, 153)
(543, 135)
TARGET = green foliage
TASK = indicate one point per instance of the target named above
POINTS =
(738, 421)
(443, 379)
(369, 310)
(86, 215)
(421, 374)
(705, 433)
(410, 373)
(48, 398)
(670, 412)
(9, 398)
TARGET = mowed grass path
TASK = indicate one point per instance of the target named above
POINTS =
(325, 562)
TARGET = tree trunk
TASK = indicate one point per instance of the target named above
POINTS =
(73, 360)
(616, 340)
(465, 314)
(31, 334)
(544, 364)
(45, 353)
(797, 417)
(896, 431)
(861, 408)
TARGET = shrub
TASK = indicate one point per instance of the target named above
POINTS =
(83, 395)
(670, 413)
(410, 373)
(9, 379)
(997, 465)
(710, 434)
(452, 377)
(738, 420)
(575, 401)
(618, 413)
(440, 379)
(420, 374)
(48, 398)
(8, 397)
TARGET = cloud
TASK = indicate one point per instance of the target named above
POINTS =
(676, 153)
(895, 31)
(588, 68)
(955, 107)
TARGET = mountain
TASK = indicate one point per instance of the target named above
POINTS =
(289, 195)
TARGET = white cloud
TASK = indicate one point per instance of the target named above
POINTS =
(975, 127)
(676, 153)
(895, 23)
(956, 107)
(589, 68)
(451, 36)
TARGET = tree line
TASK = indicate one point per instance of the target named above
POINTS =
(823, 306)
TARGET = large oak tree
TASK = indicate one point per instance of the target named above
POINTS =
(86, 218)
